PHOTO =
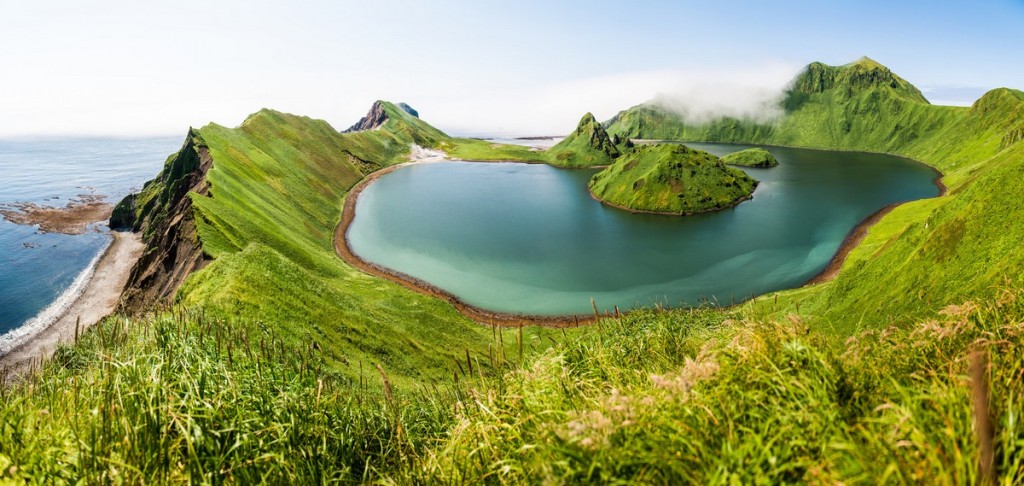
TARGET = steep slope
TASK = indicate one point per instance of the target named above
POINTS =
(261, 202)
(586, 146)
(164, 214)
(671, 179)
(863, 106)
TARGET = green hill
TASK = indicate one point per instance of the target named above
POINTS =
(671, 179)
(753, 157)
(264, 215)
(282, 364)
(587, 146)
(925, 254)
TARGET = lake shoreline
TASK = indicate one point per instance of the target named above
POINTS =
(857, 235)
(344, 251)
(735, 203)
(98, 299)
(492, 318)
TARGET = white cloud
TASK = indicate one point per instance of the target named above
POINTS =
(698, 94)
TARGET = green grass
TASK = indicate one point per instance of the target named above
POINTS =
(271, 376)
(587, 146)
(484, 150)
(671, 179)
(687, 396)
(931, 255)
(276, 190)
(752, 157)
(182, 396)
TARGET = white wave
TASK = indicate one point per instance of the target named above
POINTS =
(46, 317)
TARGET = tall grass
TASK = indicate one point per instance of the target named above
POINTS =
(696, 396)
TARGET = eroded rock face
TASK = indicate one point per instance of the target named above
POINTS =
(377, 116)
(373, 120)
(168, 226)
(598, 138)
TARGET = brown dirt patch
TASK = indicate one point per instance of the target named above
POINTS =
(72, 219)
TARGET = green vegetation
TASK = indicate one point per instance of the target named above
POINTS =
(291, 367)
(587, 146)
(472, 149)
(698, 396)
(671, 179)
(752, 157)
(276, 191)
(937, 254)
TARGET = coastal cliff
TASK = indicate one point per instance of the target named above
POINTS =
(163, 214)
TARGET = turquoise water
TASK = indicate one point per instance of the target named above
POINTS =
(38, 269)
(529, 239)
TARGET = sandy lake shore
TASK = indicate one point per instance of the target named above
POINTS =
(98, 300)
(483, 316)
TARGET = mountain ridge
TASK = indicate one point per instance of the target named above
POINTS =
(969, 145)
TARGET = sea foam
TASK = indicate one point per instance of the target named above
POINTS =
(50, 314)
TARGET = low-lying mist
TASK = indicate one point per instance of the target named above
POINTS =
(699, 95)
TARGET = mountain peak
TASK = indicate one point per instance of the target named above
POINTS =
(866, 62)
(860, 75)
(373, 119)
(588, 145)
(380, 112)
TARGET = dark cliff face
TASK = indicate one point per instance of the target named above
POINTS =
(162, 211)
(378, 116)
(373, 120)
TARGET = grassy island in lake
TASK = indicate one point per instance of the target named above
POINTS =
(671, 179)
(753, 157)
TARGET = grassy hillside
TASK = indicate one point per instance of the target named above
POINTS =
(701, 396)
(752, 157)
(277, 184)
(946, 252)
(586, 146)
(671, 179)
(472, 149)
(269, 373)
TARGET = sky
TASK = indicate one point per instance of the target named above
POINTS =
(131, 68)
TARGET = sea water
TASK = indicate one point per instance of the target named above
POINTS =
(41, 273)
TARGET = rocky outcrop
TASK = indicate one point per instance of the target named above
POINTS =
(586, 146)
(596, 136)
(372, 121)
(377, 116)
(408, 109)
(163, 213)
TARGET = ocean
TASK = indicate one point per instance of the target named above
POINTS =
(40, 273)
